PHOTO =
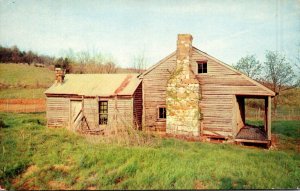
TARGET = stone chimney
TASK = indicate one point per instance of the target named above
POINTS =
(59, 75)
(183, 93)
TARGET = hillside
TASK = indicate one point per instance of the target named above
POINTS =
(24, 81)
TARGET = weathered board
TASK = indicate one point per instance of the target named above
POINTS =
(219, 86)
(57, 112)
(154, 91)
(138, 106)
(62, 111)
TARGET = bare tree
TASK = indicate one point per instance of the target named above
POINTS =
(140, 63)
(91, 62)
(280, 73)
(250, 66)
(110, 67)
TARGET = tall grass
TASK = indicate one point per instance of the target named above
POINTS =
(35, 157)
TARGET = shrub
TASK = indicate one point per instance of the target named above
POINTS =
(2, 124)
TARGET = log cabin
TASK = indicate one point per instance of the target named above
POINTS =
(94, 101)
(188, 93)
(192, 93)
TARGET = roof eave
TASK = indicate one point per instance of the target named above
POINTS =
(157, 64)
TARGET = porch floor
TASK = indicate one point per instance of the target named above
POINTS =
(251, 134)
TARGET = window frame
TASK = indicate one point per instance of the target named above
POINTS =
(163, 114)
(203, 69)
(103, 112)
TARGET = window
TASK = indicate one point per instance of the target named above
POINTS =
(162, 113)
(202, 67)
(103, 112)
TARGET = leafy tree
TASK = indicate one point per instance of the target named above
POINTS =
(14, 55)
(63, 63)
(250, 66)
(280, 73)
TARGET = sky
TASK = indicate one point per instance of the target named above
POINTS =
(125, 29)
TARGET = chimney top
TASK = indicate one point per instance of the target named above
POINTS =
(185, 37)
(59, 75)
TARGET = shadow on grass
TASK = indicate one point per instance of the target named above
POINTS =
(228, 183)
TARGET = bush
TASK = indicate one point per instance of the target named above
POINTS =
(35, 121)
(2, 124)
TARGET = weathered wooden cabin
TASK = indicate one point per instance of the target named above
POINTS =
(188, 93)
(192, 93)
(94, 100)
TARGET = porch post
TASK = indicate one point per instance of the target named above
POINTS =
(266, 114)
(243, 112)
(269, 117)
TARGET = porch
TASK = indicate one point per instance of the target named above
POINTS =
(245, 133)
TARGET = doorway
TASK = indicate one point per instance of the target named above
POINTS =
(76, 114)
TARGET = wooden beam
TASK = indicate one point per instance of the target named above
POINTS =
(269, 120)
(144, 109)
(234, 113)
(266, 114)
(251, 141)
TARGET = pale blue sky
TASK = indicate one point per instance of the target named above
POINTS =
(224, 29)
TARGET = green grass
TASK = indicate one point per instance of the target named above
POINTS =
(35, 157)
(23, 81)
(290, 98)
(288, 133)
(14, 74)
(22, 93)
(285, 128)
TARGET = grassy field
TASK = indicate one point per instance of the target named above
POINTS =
(35, 157)
(14, 74)
(23, 81)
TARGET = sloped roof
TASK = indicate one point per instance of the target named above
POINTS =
(270, 92)
(155, 65)
(96, 85)
(231, 68)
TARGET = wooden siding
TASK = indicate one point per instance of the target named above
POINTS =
(218, 87)
(57, 111)
(138, 106)
(120, 112)
(90, 111)
(154, 92)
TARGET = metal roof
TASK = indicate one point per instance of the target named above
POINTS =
(96, 85)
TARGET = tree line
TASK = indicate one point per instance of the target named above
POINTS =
(276, 72)
(15, 55)
(73, 62)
